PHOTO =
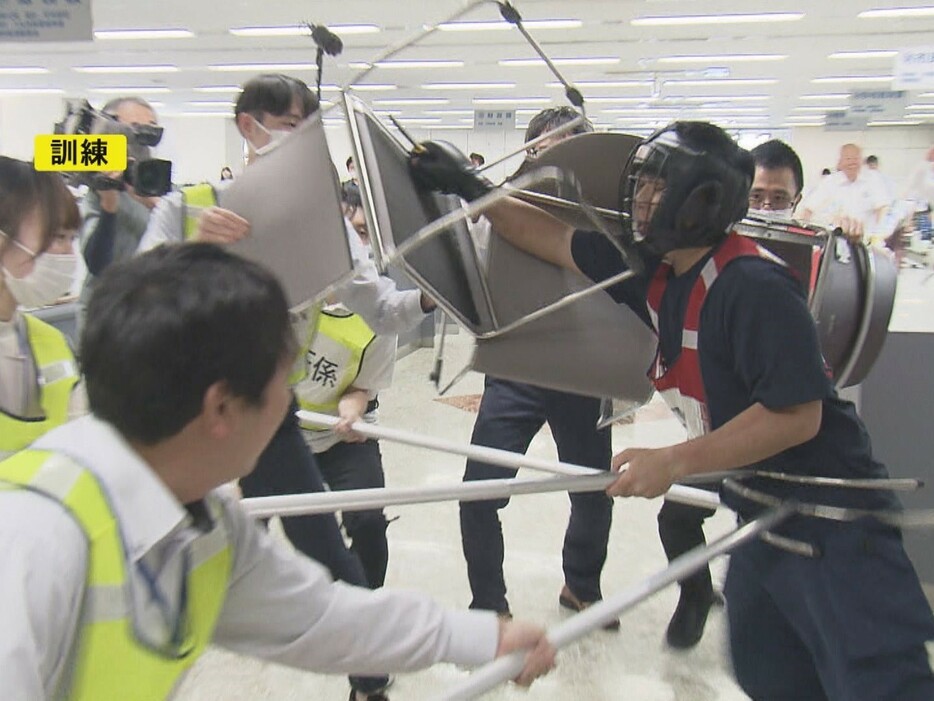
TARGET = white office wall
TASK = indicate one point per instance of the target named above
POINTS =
(22, 118)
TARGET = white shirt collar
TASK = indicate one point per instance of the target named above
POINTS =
(146, 510)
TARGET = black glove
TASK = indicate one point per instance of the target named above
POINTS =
(440, 166)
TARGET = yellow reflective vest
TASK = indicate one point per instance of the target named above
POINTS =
(194, 199)
(58, 375)
(108, 661)
(333, 361)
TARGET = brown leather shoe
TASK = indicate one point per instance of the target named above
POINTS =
(567, 599)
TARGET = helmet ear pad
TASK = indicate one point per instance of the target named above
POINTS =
(701, 208)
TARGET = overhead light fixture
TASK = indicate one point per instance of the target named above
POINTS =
(854, 79)
(619, 100)
(31, 91)
(387, 113)
(200, 114)
(295, 30)
(217, 88)
(722, 58)
(926, 94)
(373, 87)
(453, 113)
(862, 54)
(803, 124)
(137, 90)
(143, 34)
(818, 108)
(420, 120)
(730, 110)
(210, 103)
(681, 20)
(582, 61)
(897, 12)
(261, 67)
(164, 68)
(23, 70)
(894, 123)
(500, 25)
(468, 86)
(594, 84)
(920, 107)
(720, 98)
(413, 101)
(427, 63)
(512, 100)
(448, 127)
(826, 96)
(732, 82)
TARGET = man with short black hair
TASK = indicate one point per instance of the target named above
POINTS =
(123, 560)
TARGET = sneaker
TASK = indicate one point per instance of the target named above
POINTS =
(373, 695)
(567, 599)
(686, 627)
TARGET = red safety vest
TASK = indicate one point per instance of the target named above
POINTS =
(681, 385)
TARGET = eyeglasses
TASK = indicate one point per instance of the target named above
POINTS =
(776, 200)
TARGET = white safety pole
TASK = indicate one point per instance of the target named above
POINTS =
(602, 612)
(496, 456)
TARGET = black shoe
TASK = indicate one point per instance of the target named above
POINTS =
(375, 695)
(567, 599)
(686, 627)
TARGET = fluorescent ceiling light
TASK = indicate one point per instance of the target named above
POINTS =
(373, 87)
(388, 113)
(165, 68)
(140, 90)
(295, 30)
(499, 25)
(733, 82)
(413, 101)
(210, 103)
(22, 70)
(803, 124)
(582, 61)
(200, 114)
(720, 98)
(854, 79)
(617, 100)
(729, 110)
(677, 20)
(894, 123)
(143, 34)
(818, 108)
(826, 96)
(455, 113)
(468, 86)
(420, 120)
(920, 107)
(591, 84)
(863, 54)
(217, 88)
(512, 101)
(427, 63)
(897, 12)
(31, 91)
(647, 112)
(926, 94)
(722, 58)
(261, 67)
(452, 126)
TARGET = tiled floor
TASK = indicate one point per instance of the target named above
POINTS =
(425, 555)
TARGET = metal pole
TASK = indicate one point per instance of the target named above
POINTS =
(563, 634)
(502, 458)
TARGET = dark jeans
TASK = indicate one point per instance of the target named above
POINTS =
(510, 415)
(288, 466)
(850, 624)
(360, 466)
(681, 528)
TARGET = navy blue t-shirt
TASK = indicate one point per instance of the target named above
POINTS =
(757, 343)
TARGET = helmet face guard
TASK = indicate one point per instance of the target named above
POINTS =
(675, 195)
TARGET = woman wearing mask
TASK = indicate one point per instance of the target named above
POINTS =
(38, 373)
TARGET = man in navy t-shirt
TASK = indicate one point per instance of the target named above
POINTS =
(739, 362)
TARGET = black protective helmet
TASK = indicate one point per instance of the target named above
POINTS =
(685, 186)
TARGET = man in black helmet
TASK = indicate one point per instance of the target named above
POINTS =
(739, 362)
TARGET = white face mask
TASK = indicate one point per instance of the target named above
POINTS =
(275, 138)
(51, 277)
(782, 214)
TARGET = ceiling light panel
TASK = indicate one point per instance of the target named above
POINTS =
(23, 70)
(163, 68)
(502, 25)
(723, 58)
(897, 12)
(581, 61)
(468, 86)
(261, 67)
(687, 20)
(855, 55)
(137, 34)
(302, 30)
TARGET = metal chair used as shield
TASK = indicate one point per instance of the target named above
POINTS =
(533, 322)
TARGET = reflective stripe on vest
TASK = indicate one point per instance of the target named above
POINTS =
(681, 385)
(107, 660)
(57, 374)
(195, 198)
(333, 361)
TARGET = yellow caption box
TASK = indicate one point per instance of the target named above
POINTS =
(71, 152)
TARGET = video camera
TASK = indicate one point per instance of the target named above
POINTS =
(150, 177)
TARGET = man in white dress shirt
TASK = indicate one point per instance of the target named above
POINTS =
(122, 561)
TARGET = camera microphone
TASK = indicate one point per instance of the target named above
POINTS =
(326, 40)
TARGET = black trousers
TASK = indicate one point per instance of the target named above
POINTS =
(681, 528)
(288, 466)
(360, 466)
(510, 415)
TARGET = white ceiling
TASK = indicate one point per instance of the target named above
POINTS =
(606, 31)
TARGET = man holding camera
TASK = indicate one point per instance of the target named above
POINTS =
(114, 215)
